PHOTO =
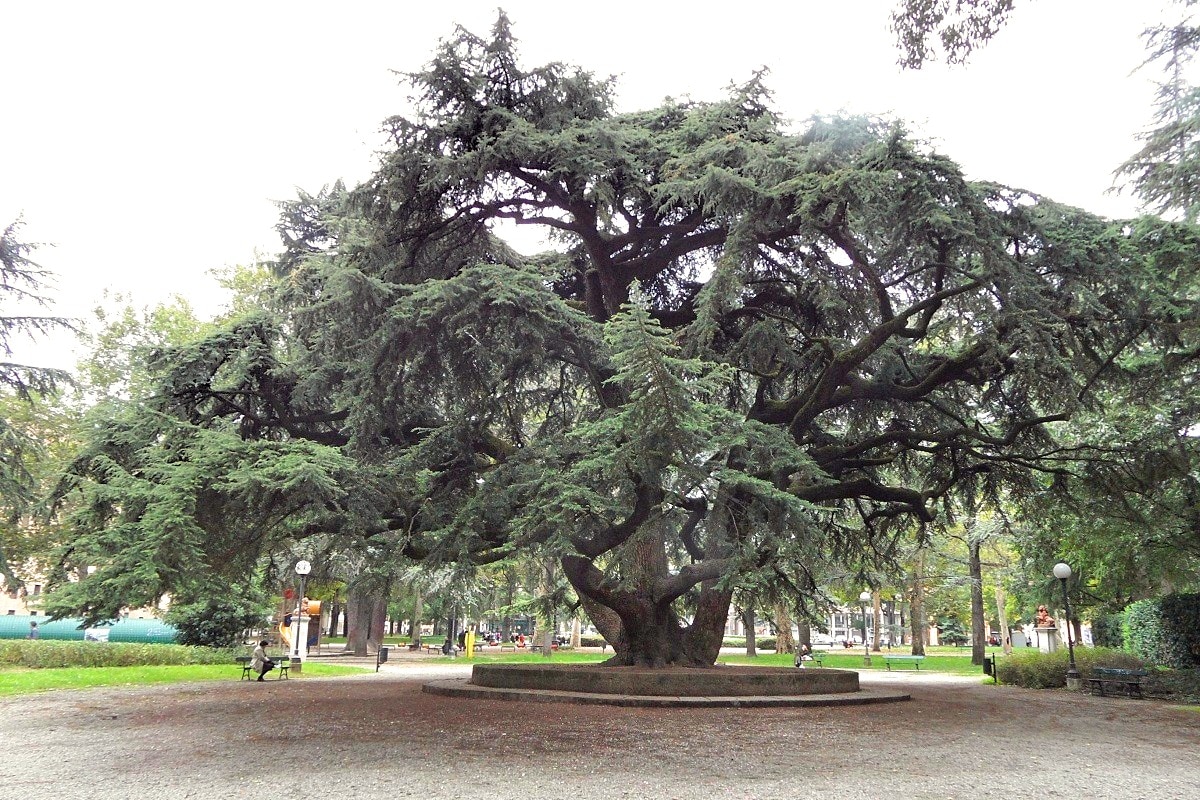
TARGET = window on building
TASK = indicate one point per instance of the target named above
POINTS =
(12, 612)
(37, 588)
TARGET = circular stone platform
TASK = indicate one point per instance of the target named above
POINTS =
(634, 686)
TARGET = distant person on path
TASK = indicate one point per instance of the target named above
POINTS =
(259, 661)
(33, 630)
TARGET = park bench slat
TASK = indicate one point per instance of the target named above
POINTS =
(914, 660)
(1130, 680)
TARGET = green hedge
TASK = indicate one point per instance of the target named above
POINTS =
(1176, 685)
(1037, 670)
(38, 654)
(1165, 631)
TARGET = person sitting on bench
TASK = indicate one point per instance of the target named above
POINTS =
(259, 661)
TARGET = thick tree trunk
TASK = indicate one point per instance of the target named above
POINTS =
(335, 614)
(916, 606)
(751, 633)
(784, 643)
(638, 617)
(358, 621)
(366, 614)
(576, 633)
(978, 642)
(414, 620)
(510, 594)
(804, 632)
(645, 634)
(378, 623)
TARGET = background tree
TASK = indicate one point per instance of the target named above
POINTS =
(22, 287)
(958, 26)
(27, 434)
(1165, 172)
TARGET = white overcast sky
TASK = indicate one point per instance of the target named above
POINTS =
(148, 141)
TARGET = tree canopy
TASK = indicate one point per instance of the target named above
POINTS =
(25, 430)
(751, 349)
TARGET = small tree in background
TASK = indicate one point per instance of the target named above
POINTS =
(218, 622)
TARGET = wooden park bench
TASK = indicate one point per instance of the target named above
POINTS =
(1130, 680)
(914, 660)
(283, 665)
(816, 657)
(508, 646)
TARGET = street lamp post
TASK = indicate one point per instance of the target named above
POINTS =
(1062, 571)
(865, 598)
(302, 569)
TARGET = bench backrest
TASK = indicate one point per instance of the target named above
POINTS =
(1119, 673)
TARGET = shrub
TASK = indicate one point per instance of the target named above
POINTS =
(1179, 685)
(1107, 630)
(1037, 670)
(50, 654)
(215, 622)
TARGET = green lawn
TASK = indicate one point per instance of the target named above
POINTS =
(24, 681)
(937, 659)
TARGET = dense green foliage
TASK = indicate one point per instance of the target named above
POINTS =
(1165, 631)
(53, 654)
(217, 621)
(756, 353)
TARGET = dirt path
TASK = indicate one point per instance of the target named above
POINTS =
(378, 736)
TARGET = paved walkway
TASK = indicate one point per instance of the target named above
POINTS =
(378, 736)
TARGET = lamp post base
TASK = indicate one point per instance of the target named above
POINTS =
(1074, 682)
(297, 665)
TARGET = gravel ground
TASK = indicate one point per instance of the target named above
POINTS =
(379, 736)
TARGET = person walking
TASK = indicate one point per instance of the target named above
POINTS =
(33, 630)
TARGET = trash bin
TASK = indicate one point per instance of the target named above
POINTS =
(383, 655)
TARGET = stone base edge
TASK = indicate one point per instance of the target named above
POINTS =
(458, 687)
